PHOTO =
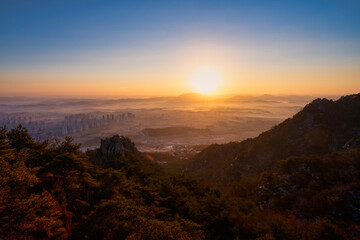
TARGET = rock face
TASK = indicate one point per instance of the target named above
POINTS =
(116, 145)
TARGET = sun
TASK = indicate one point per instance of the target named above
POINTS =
(206, 80)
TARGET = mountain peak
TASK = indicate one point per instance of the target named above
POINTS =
(323, 126)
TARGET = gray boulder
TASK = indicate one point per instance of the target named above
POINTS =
(116, 145)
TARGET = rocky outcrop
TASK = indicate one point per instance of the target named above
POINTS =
(116, 145)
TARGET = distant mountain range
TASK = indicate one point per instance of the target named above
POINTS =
(321, 127)
(187, 97)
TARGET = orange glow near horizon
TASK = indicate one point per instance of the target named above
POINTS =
(178, 78)
(88, 86)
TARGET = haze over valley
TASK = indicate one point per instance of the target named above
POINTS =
(180, 125)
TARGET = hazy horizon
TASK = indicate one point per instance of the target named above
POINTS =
(212, 97)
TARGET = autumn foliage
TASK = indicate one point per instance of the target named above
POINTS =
(54, 191)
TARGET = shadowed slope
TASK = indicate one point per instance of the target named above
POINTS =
(322, 126)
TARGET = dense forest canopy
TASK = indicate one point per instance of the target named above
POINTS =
(54, 191)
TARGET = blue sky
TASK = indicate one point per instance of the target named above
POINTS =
(52, 37)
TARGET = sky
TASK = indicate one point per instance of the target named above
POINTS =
(154, 48)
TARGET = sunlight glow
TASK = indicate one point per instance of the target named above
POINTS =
(206, 80)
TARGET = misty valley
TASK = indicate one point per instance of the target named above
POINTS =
(180, 126)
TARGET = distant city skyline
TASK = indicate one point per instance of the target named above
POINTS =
(154, 48)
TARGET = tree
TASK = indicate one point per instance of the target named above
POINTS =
(25, 213)
(19, 138)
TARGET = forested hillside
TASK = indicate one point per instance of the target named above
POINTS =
(323, 126)
(54, 191)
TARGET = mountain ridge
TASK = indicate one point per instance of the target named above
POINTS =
(322, 126)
